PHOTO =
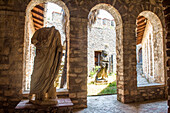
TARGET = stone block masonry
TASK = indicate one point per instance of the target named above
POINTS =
(12, 25)
(166, 5)
(150, 93)
(11, 56)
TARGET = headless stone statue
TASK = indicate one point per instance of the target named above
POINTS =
(102, 73)
(46, 66)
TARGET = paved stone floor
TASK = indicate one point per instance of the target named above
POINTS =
(109, 104)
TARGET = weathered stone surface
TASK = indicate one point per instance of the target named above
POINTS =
(72, 95)
(9, 92)
(12, 23)
(82, 95)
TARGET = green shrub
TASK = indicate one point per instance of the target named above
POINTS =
(95, 70)
(112, 84)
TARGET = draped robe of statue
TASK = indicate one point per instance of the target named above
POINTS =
(47, 61)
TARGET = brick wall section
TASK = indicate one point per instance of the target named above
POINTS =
(11, 53)
(11, 57)
(166, 4)
(150, 93)
(78, 55)
(78, 61)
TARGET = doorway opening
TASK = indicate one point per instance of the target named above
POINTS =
(104, 36)
(149, 50)
(41, 14)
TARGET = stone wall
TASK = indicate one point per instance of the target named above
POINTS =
(150, 60)
(152, 54)
(166, 5)
(101, 37)
(124, 12)
(150, 93)
(12, 20)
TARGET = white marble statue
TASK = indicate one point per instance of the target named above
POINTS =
(46, 65)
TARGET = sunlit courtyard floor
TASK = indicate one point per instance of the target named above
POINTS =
(109, 104)
(101, 89)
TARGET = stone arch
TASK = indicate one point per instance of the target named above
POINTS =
(158, 41)
(30, 6)
(119, 42)
(129, 26)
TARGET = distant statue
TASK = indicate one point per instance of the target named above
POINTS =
(46, 65)
(102, 72)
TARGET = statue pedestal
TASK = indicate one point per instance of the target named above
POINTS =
(101, 81)
(63, 105)
(45, 102)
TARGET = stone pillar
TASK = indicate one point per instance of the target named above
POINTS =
(166, 5)
(78, 61)
(150, 55)
(129, 84)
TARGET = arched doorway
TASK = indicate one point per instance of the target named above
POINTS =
(150, 38)
(35, 19)
(119, 39)
(102, 38)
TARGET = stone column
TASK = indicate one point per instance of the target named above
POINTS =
(78, 61)
(150, 55)
(166, 5)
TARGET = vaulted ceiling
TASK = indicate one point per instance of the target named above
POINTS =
(38, 16)
(141, 24)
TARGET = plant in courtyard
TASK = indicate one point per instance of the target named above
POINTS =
(110, 89)
(111, 74)
(95, 70)
(112, 84)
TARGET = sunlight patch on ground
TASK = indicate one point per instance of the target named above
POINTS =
(100, 89)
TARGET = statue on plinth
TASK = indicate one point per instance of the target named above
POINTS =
(102, 72)
(46, 66)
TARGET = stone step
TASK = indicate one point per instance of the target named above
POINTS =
(62, 93)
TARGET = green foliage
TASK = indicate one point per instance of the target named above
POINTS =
(112, 74)
(95, 70)
(92, 73)
(91, 83)
(112, 84)
(110, 89)
(48, 18)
